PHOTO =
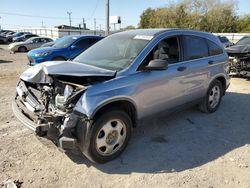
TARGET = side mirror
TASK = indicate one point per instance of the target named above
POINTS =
(73, 47)
(157, 64)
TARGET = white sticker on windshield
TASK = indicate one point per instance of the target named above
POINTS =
(143, 37)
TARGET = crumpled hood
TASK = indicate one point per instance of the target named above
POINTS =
(238, 49)
(42, 73)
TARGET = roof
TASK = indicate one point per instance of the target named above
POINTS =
(154, 32)
(80, 36)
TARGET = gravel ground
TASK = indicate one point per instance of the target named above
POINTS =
(185, 149)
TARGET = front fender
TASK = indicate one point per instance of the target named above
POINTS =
(90, 105)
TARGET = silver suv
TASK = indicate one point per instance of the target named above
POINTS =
(94, 101)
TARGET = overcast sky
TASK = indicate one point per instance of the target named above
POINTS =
(31, 13)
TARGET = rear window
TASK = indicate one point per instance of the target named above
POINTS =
(194, 47)
(214, 49)
(223, 39)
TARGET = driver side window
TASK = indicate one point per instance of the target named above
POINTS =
(167, 49)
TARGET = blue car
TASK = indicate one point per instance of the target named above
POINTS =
(65, 48)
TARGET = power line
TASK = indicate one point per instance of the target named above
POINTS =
(96, 5)
(44, 17)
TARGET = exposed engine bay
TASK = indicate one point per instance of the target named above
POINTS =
(239, 64)
(239, 56)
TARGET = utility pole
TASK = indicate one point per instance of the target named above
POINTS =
(0, 24)
(100, 26)
(69, 13)
(94, 26)
(42, 24)
(107, 18)
(83, 24)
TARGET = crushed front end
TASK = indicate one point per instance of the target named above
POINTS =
(48, 109)
(239, 64)
(239, 56)
(46, 98)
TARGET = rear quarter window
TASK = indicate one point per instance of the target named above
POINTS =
(213, 48)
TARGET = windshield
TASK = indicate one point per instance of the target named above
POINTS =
(244, 41)
(64, 42)
(30, 40)
(17, 34)
(115, 52)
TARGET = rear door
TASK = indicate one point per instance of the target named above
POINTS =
(196, 66)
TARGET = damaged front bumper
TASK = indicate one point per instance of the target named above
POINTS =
(23, 115)
(68, 131)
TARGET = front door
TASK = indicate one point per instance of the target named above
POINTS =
(160, 90)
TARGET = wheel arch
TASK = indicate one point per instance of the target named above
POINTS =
(124, 104)
(60, 57)
(223, 81)
(22, 46)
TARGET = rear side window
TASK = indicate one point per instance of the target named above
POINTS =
(44, 40)
(214, 49)
(85, 43)
(194, 47)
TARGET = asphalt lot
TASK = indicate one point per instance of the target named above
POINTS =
(184, 149)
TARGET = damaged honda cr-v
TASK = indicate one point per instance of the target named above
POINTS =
(94, 101)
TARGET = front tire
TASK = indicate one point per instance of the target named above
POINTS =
(108, 136)
(22, 49)
(213, 98)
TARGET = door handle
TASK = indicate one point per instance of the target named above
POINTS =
(210, 62)
(181, 68)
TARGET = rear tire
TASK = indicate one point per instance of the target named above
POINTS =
(108, 136)
(213, 98)
(22, 49)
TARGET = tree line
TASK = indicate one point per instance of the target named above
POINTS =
(205, 15)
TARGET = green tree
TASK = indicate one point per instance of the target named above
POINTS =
(244, 24)
(206, 15)
(129, 27)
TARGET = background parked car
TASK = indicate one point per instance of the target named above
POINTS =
(224, 40)
(31, 43)
(3, 40)
(3, 34)
(6, 32)
(65, 48)
(17, 34)
(23, 37)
